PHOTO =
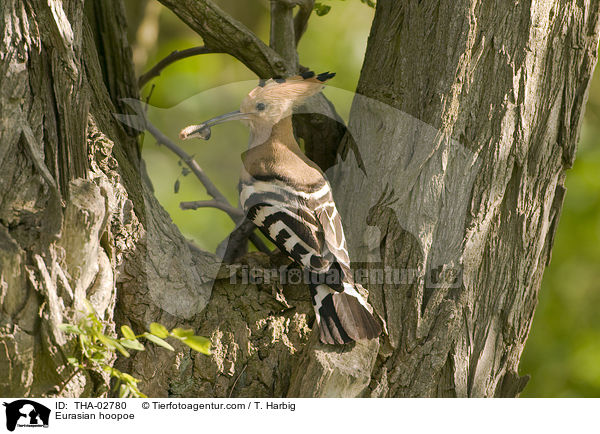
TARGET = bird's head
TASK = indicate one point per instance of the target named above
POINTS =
(266, 105)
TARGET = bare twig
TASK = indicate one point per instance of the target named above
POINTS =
(301, 18)
(148, 98)
(234, 213)
(67, 381)
(236, 380)
(221, 32)
(171, 58)
(235, 246)
(211, 189)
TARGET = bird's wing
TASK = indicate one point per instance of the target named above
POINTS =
(288, 217)
(308, 228)
(330, 223)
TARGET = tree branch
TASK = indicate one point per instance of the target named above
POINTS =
(171, 58)
(234, 246)
(211, 189)
(221, 32)
(282, 38)
(300, 21)
(302, 17)
(235, 213)
(67, 381)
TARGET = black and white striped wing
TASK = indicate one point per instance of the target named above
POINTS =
(288, 217)
(308, 228)
(333, 232)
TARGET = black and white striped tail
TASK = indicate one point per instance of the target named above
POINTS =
(342, 316)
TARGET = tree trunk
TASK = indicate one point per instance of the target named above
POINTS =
(472, 113)
(75, 213)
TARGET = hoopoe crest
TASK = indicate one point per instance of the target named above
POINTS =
(289, 199)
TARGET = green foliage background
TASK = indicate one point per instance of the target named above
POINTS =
(563, 350)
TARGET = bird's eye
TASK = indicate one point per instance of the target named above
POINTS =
(260, 106)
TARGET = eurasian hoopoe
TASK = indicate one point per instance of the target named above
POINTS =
(288, 197)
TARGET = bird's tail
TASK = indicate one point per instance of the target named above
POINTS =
(343, 316)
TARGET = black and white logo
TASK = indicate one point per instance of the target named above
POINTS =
(26, 414)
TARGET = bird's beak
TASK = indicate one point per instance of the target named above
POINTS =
(202, 131)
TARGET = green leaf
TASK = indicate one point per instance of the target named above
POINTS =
(321, 9)
(121, 349)
(108, 342)
(198, 343)
(123, 391)
(98, 349)
(128, 378)
(89, 306)
(98, 357)
(133, 344)
(116, 373)
(182, 333)
(73, 361)
(94, 323)
(159, 330)
(127, 332)
(134, 391)
(84, 342)
(158, 341)
(70, 328)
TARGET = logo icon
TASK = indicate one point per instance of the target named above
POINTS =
(26, 413)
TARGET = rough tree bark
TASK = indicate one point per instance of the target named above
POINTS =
(74, 207)
(472, 111)
(483, 105)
